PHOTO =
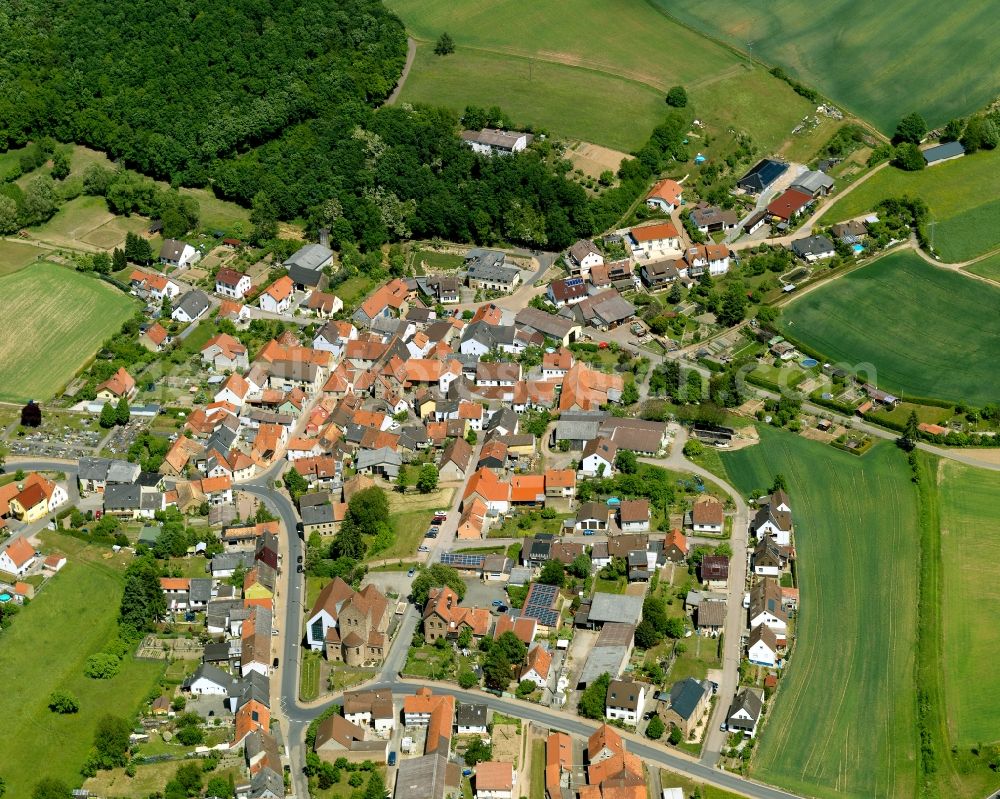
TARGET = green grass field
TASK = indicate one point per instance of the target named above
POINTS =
(928, 332)
(45, 649)
(52, 320)
(842, 723)
(15, 255)
(988, 267)
(535, 61)
(960, 195)
(970, 538)
(880, 64)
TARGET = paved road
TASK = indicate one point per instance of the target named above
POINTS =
(736, 617)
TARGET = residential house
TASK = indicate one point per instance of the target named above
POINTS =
(323, 304)
(745, 712)
(850, 232)
(712, 219)
(445, 290)
(443, 617)
(710, 617)
(665, 196)
(305, 267)
(789, 205)
(715, 571)
(814, 248)
(707, 515)
(371, 709)
(585, 389)
(755, 222)
(337, 738)
(485, 485)
(686, 705)
(560, 329)
(567, 291)
(193, 305)
(774, 523)
(230, 283)
(471, 719)
(277, 298)
(494, 780)
(155, 338)
(383, 461)
(560, 483)
(178, 253)
(675, 547)
(713, 257)
(386, 301)
(523, 627)
(593, 516)
(556, 364)
(536, 667)
(762, 646)
(768, 558)
(157, 286)
(235, 390)
(121, 385)
(224, 353)
(767, 607)
(659, 238)
(625, 701)
(598, 458)
(558, 764)
(490, 141)
(37, 498)
(487, 269)
(17, 557)
(527, 489)
(582, 257)
(455, 460)
(659, 275)
(634, 516)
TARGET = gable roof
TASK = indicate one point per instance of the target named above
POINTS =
(663, 230)
(666, 189)
(194, 303)
(686, 695)
(19, 551)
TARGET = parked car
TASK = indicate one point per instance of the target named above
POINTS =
(392, 758)
(502, 608)
(300, 568)
(411, 572)
(423, 548)
(298, 559)
(442, 513)
(435, 529)
(275, 665)
(497, 603)
(588, 532)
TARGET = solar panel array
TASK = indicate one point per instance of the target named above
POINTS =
(574, 281)
(538, 604)
(463, 560)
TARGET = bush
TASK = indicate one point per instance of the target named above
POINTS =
(677, 97)
(63, 702)
(190, 736)
(102, 666)
(467, 679)
(656, 728)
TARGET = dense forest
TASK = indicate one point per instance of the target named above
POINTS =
(273, 103)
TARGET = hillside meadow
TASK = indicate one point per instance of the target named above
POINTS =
(842, 722)
(534, 61)
(961, 195)
(928, 332)
(881, 62)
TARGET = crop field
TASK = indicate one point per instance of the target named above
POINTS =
(45, 649)
(533, 60)
(928, 332)
(970, 538)
(87, 220)
(880, 65)
(988, 267)
(52, 320)
(842, 722)
(960, 197)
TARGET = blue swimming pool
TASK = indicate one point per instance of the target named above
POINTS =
(809, 363)
(5, 597)
(858, 248)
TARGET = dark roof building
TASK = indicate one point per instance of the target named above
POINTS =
(762, 175)
(943, 152)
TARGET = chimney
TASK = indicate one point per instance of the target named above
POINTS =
(324, 237)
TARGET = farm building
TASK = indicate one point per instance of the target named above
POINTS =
(943, 152)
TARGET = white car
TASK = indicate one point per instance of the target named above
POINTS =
(423, 548)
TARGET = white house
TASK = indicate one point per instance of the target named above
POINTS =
(234, 390)
(598, 453)
(762, 647)
(494, 780)
(744, 712)
(371, 709)
(707, 515)
(625, 701)
(582, 257)
(777, 524)
(634, 516)
(536, 668)
(17, 557)
(178, 253)
(277, 298)
(193, 305)
(665, 196)
(230, 283)
(490, 141)
(714, 257)
(470, 719)
(766, 608)
(208, 680)
(657, 239)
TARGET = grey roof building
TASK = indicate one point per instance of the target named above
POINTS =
(383, 460)
(686, 695)
(200, 592)
(93, 470)
(813, 183)
(122, 498)
(428, 776)
(814, 247)
(744, 712)
(550, 326)
(943, 152)
(470, 715)
(763, 174)
(305, 267)
(579, 427)
(192, 305)
(610, 653)
(615, 608)
(123, 472)
(490, 267)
